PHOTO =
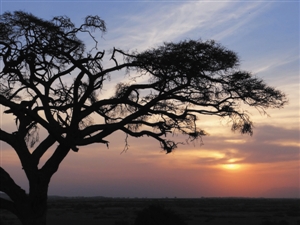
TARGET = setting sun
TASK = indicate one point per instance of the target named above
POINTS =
(231, 166)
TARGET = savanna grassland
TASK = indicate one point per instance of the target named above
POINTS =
(208, 211)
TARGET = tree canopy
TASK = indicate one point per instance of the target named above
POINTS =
(50, 80)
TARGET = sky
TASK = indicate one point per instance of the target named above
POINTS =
(265, 35)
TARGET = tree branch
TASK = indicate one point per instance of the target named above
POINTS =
(52, 164)
(6, 137)
(8, 186)
(43, 147)
(167, 145)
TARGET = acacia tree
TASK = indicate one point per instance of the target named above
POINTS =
(50, 81)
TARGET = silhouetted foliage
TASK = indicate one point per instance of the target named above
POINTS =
(158, 215)
(49, 80)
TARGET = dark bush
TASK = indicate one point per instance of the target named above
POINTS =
(158, 215)
(267, 222)
(122, 222)
(283, 222)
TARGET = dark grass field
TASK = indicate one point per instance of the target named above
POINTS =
(209, 211)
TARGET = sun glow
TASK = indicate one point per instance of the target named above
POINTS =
(231, 166)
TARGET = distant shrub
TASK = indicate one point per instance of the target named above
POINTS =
(268, 222)
(158, 215)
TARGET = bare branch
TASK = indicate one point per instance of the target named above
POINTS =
(8, 186)
(43, 147)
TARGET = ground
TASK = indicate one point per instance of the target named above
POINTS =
(208, 211)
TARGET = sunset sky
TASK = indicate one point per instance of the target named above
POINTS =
(265, 34)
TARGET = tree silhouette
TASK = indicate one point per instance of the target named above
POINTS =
(50, 81)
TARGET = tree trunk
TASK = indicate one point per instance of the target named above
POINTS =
(30, 208)
(32, 216)
(34, 211)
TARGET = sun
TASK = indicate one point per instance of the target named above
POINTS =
(231, 166)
